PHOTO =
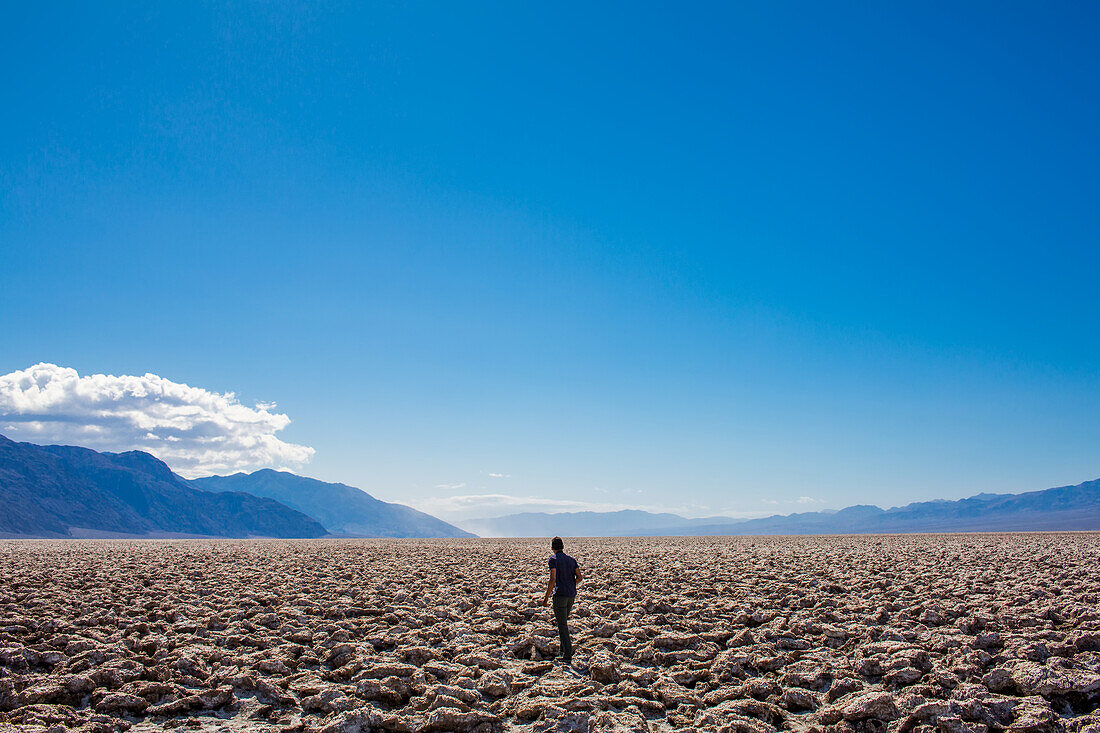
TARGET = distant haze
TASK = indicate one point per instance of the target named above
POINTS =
(1063, 508)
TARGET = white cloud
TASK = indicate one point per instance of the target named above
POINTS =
(461, 485)
(799, 500)
(193, 430)
(500, 475)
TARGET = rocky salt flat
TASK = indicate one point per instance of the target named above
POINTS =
(903, 633)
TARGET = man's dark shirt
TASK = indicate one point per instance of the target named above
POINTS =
(566, 583)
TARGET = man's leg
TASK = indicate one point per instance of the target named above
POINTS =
(562, 606)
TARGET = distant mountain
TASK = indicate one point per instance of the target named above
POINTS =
(342, 509)
(65, 491)
(583, 524)
(1063, 508)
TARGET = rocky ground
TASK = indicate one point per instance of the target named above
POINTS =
(911, 633)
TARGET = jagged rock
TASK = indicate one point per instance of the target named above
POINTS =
(810, 677)
(1088, 641)
(120, 702)
(604, 669)
(730, 716)
(760, 689)
(44, 715)
(557, 720)
(629, 721)
(810, 633)
(999, 680)
(842, 687)
(271, 694)
(673, 695)
(468, 697)
(926, 713)
(495, 684)
(902, 677)
(391, 690)
(860, 706)
(675, 641)
(7, 694)
(798, 699)
(1084, 724)
(66, 691)
(389, 669)
(1032, 716)
(450, 719)
(206, 700)
(354, 721)
(328, 701)
(447, 701)
(273, 667)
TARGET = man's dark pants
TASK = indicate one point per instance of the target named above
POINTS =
(562, 606)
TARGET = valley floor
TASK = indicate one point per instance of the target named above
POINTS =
(850, 633)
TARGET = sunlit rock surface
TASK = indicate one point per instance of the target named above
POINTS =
(907, 633)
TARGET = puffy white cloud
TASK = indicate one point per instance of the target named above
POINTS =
(193, 430)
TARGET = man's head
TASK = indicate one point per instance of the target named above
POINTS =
(557, 545)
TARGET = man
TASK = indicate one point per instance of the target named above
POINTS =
(564, 576)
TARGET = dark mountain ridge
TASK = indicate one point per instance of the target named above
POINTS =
(342, 509)
(67, 491)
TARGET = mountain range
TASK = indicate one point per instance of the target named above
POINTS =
(342, 509)
(1062, 508)
(66, 491)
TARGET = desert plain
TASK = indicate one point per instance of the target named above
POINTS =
(856, 633)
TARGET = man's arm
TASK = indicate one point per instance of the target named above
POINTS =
(550, 585)
(578, 576)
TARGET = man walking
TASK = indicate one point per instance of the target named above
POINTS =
(564, 576)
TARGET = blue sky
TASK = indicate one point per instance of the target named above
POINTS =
(716, 259)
